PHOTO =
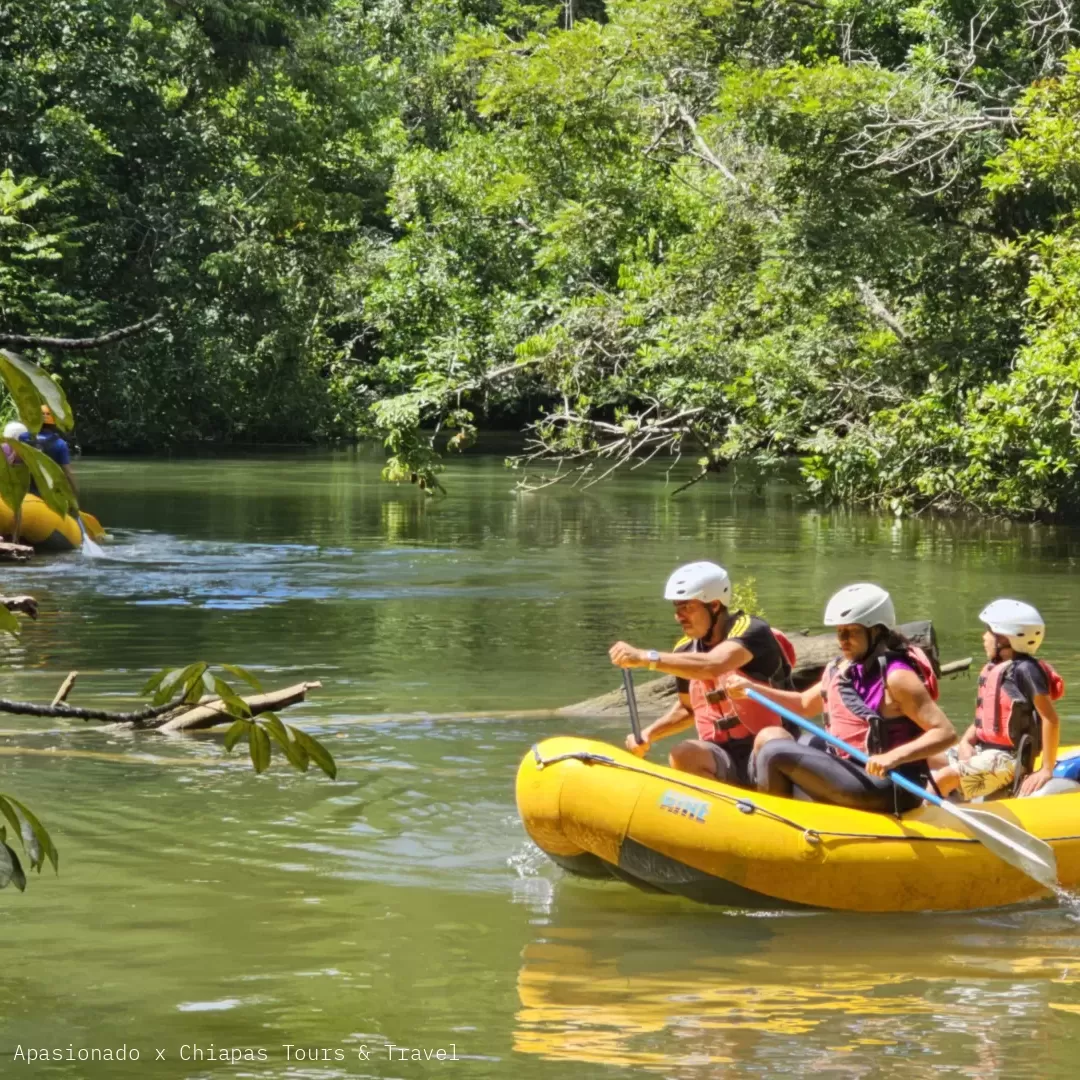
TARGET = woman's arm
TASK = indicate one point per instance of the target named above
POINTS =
(916, 704)
(807, 703)
(1051, 730)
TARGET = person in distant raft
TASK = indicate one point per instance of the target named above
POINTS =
(879, 696)
(1014, 711)
(51, 442)
(15, 433)
(717, 644)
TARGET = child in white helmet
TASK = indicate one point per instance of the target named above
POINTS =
(1014, 710)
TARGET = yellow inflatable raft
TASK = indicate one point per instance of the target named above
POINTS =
(601, 812)
(45, 529)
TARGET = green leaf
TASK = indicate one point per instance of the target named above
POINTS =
(169, 681)
(243, 673)
(316, 751)
(9, 623)
(259, 744)
(13, 819)
(30, 386)
(193, 682)
(11, 871)
(297, 755)
(188, 678)
(155, 681)
(14, 480)
(40, 832)
(236, 705)
(236, 732)
(52, 484)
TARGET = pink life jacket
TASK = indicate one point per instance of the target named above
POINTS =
(848, 717)
(723, 719)
(1002, 714)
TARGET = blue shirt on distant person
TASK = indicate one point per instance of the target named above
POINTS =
(54, 444)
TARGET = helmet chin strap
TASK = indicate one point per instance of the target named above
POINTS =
(714, 619)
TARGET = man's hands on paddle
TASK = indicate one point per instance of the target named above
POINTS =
(626, 656)
(635, 747)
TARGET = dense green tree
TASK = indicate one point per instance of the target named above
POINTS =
(841, 231)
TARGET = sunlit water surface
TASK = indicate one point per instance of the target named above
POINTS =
(203, 911)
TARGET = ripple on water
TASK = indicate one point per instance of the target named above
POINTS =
(155, 570)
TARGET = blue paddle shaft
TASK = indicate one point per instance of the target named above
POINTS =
(832, 740)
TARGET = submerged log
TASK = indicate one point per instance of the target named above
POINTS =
(812, 653)
(212, 712)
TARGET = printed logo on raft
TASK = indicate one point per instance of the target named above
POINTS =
(675, 803)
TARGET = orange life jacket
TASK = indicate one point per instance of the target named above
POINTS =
(720, 719)
(849, 718)
(1003, 716)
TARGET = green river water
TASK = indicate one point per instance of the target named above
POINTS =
(200, 909)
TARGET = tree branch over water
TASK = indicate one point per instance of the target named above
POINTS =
(24, 341)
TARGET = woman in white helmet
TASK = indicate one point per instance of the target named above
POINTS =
(718, 642)
(1014, 709)
(879, 695)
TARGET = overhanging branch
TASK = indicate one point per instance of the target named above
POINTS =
(24, 341)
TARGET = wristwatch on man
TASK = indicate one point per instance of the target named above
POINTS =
(653, 656)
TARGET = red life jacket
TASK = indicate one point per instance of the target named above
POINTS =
(849, 718)
(1003, 715)
(723, 719)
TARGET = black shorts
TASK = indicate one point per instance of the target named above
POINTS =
(732, 761)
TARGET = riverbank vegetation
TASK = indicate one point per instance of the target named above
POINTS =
(842, 230)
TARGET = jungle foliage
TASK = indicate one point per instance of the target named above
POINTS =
(838, 230)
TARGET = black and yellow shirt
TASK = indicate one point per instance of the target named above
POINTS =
(768, 663)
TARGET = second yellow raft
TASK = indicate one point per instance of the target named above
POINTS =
(45, 529)
(601, 812)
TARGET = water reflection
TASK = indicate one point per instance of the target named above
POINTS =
(799, 993)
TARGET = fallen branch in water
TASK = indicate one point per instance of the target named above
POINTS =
(173, 716)
(65, 688)
(213, 711)
(73, 712)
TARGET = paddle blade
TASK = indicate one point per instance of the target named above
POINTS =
(1007, 841)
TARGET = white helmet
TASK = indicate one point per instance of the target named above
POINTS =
(1017, 621)
(704, 581)
(861, 605)
(15, 430)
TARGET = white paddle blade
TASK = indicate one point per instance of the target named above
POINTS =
(1007, 841)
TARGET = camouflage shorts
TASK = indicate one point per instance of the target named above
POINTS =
(985, 772)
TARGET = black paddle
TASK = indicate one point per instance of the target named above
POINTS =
(631, 704)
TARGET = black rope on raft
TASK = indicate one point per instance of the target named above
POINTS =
(744, 805)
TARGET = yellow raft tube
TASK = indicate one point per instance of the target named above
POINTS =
(601, 812)
(45, 529)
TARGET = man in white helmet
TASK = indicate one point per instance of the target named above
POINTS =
(1014, 710)
(718, 642)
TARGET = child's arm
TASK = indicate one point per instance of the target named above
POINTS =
(1051, 727)
(966, 747)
